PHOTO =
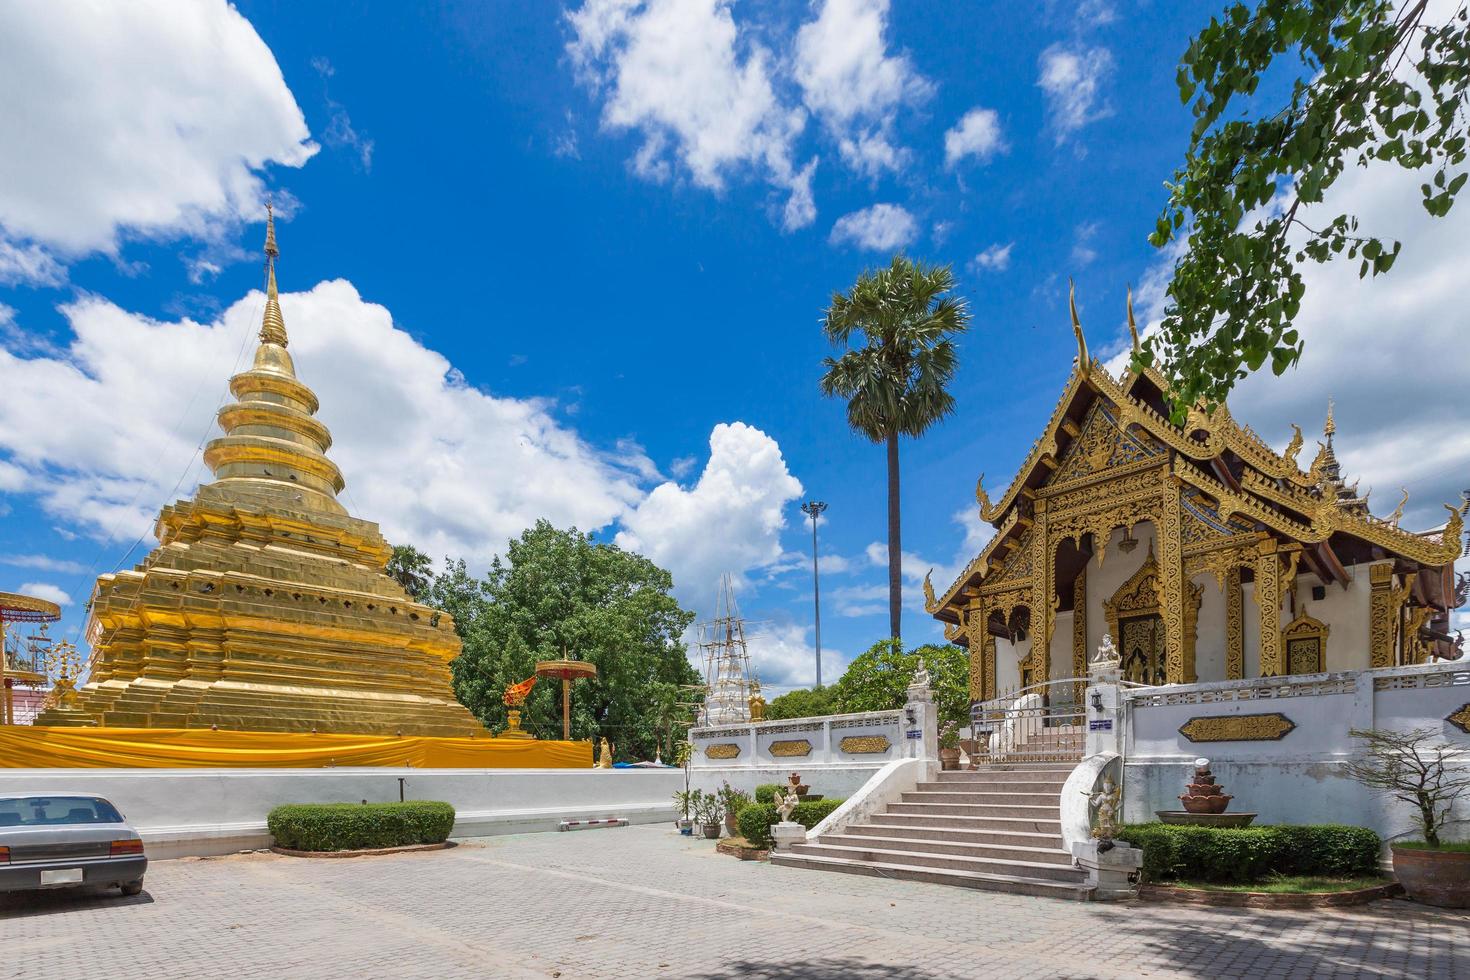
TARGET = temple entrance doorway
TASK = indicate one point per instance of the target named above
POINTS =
(1142, 648)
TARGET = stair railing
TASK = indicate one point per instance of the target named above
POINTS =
(1045, 722)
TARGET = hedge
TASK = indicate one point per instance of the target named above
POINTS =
(755, 820)
(1247, 854)
(767, 792)
(358, 826)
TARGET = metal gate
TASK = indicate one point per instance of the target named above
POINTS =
(1044, 722)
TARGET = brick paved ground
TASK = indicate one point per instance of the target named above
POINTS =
(643, 902)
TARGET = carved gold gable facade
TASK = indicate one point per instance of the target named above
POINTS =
(1227, 516)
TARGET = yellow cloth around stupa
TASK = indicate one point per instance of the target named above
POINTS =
(265, 609)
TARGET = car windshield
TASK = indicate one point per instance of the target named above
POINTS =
(43, 811)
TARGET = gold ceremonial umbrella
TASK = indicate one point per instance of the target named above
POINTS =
(568, 671)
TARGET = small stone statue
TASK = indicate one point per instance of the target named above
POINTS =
(1106, 801)
(921, 676)
(788, 804)
(1107, 653)
(604, 756)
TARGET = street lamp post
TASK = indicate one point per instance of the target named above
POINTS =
(813, 509)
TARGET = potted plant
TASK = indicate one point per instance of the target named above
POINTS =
(1420, 768)
(682, 756)
(949, 746)
(707, 813)
(732, 801)
(682, 801)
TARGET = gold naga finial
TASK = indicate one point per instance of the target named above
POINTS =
(1132, 324)
(273, 325)
(1329, 429)
(930, 602)
(1295, 446)
(1398, 512)
(981, 497)
(1453, 530)
(1083, 361)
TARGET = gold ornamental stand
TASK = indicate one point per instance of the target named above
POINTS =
(568, 671)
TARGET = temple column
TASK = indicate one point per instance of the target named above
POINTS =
(977, 629)
(1169, 531)
(1382, 615)
(1043, 595)
(1268, 608)
(1234, 626)
(1079, 624)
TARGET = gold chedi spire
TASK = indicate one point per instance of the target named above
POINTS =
(273, 326)
(274, 449)
(1329, 429)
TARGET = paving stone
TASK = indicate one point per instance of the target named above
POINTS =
(642, 902)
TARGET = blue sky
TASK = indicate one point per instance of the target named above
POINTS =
(569, 261)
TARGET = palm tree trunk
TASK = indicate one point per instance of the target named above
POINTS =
(895, 544)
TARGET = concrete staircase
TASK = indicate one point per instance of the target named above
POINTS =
(998, 829)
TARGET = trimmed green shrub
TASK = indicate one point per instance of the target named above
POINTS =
(1246, 854)
(755, 820)
(767, 792)
(359, 826)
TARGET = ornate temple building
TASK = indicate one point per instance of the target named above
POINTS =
(265, 606)
(1204, 553)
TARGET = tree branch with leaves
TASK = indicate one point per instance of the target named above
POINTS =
(1376, 81)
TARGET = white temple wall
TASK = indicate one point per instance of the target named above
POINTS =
(1008, 657)
(1346, 613)
(1061, 648)
(1105, 578)
(1209, 646)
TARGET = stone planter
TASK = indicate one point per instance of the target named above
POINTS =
(1439, 878)
(949, 759)
(712, 831)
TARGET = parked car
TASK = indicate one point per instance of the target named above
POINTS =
(65, 841)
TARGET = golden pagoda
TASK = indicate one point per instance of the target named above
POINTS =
(265, 606)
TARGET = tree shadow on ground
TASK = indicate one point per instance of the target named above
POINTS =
(21, 905)
(826, 968)
(1309, 942)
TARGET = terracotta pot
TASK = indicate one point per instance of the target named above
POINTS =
(731, 823)
(712, 831)
(1206, 804)
(1439, 878)
(949, 759)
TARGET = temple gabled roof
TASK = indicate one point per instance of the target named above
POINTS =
(1230, 477)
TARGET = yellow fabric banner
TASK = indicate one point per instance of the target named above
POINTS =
(29, 747)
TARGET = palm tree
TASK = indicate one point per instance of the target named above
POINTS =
(895, 382)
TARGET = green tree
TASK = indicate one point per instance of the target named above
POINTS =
(559, 592)
(878, 679)
(895, 382)
(412, 569)
(1373, 80)
(802, 703)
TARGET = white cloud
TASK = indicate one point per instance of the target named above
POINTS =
(996, 258)
(854, 85)
(1095, 13)
(28, 263)
(879, 228)
(681, 75)
(864, 600)
(1071, 79)
(44, 563)
(977, 135)
(1392, 350)
(130, 399)
(340, 133)
(783, 656)
(150, 117)
(729, 521)
(47, 591)
(1082, 251)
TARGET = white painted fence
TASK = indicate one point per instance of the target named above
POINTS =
(1298, 775)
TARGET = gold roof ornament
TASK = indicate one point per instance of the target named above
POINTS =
(1329, 428)
(1083, 361)
(1132, 324)
(1294, 447)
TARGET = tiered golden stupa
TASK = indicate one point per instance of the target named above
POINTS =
(265, 607)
